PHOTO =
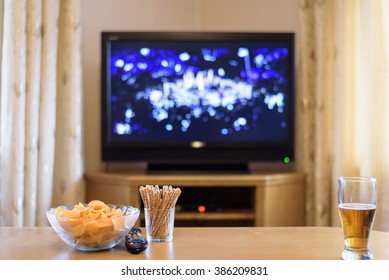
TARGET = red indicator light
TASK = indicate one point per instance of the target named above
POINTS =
(201, 209)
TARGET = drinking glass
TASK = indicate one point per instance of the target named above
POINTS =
(159, 224)
(357, 203)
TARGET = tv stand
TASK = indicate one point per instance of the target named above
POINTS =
(238, 168)
(278, 199)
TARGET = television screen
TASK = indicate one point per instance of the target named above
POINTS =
(165, 94)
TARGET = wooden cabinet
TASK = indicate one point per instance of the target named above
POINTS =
(279, 198)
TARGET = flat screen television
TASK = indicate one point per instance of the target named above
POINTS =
(197, 99)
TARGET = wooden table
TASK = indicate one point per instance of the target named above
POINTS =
(248, 243)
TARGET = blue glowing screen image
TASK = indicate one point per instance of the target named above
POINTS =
(199, 91)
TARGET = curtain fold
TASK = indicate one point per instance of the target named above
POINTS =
(36, 106)
(34, 41)
(343, 91)
(314, 107)
(68, 172)
(13, 98)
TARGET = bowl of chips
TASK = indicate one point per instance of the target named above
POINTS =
(93, 226)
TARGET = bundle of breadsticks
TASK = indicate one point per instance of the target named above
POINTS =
(159, 201)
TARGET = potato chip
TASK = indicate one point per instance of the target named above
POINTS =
(92, 227)
(75, 226)
(93, 224)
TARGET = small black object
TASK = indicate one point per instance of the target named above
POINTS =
(135, 242)
(135, 232)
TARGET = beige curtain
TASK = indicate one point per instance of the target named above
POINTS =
(41, 162)
(343, 101)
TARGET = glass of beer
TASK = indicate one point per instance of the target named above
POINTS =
(357, 203)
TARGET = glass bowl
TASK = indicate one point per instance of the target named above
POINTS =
(92, 234)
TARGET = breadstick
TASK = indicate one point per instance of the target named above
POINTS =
(159, 202)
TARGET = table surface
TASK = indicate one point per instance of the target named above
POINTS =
(212, 243)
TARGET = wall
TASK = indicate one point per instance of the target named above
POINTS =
(167, 15)
(249, 15)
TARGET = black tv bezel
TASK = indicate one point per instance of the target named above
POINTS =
(184, 153)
